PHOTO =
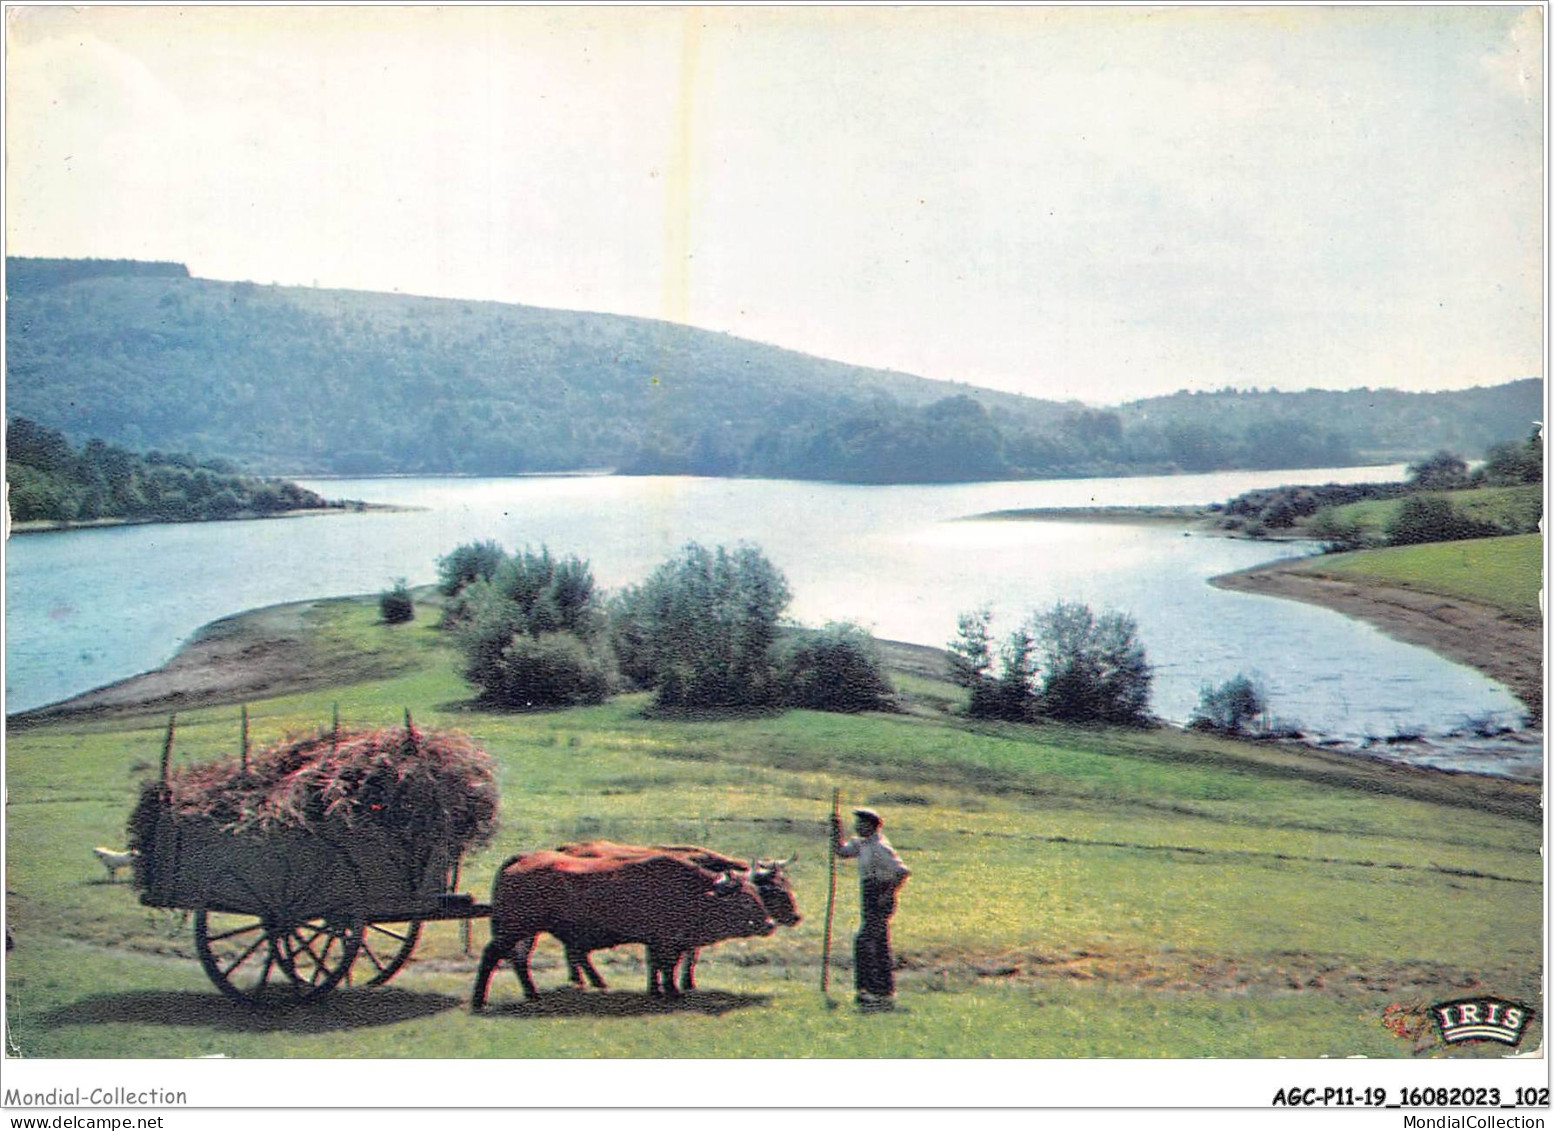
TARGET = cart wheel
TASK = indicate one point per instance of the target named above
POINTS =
(268, 957)
(271, 965)
(385, 948)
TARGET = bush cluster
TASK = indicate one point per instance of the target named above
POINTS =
(1513, 463)
(474, 561)
(529, 624)
(1065, 662)
(1278, 508)
(1338, 535)
(1443, 471)
(552, 669)
(837, 668)
(395, 605)
(1430, 518)
(1230, 707)
(701, 630)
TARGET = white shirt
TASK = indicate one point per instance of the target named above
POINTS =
(876, 859)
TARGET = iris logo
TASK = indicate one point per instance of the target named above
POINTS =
(1481, 1019)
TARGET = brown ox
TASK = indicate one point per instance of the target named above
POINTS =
(767, 876)
(668, 904)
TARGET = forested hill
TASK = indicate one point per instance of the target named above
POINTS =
(302, 380)
(49, 481)
(1383, 425)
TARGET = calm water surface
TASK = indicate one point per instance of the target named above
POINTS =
(88, 607)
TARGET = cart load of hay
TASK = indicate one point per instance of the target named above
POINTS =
(366, 820)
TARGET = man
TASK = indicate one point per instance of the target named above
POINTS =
(880, 873)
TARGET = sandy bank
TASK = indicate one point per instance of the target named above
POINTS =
(1199, 521)
(260, 653)
(1478, 635)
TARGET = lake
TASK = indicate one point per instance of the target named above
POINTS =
(88, 607)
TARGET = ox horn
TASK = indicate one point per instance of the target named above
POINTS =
(788, 862)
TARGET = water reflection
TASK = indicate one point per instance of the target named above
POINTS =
(88, 607)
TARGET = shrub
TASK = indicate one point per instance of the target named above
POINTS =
(835, 669)
(1065, 663)
(1012, 695)
(700, 630)
(1338, 534)
(396, 605)
(1443, 471)
(544, 593)
(971, 662)
(466, 563)
(1264, 509)
(487, 625)
(554, 669)
(631, 637)
(1093, 667)
(531, 631)
(1428, 518)
(1513, 462)
(1229, 707)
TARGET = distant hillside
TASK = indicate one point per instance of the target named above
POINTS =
(300, 380)
(29, 276)
(1382, 425)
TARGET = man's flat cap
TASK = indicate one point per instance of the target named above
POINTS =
(869, 815)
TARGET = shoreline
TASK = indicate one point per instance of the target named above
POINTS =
(49, 526)
(259, 652)
(1184, 516)
(267, 652)
(1480, 636)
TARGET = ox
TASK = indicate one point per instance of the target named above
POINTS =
(668, 904)
(768, 877)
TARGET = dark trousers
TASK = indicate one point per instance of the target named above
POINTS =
(872, 963)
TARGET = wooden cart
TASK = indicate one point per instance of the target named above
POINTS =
(284, 916)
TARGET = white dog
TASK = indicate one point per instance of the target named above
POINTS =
(113, 861)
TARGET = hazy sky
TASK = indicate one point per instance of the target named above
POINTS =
(1097, 203)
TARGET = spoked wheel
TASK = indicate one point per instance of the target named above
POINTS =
(385, 948)
(278, 953)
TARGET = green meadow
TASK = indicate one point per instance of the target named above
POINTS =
(1509, 508)
(1504, 572)
(1077, 892)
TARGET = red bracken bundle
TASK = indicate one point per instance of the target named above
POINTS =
(427, 789)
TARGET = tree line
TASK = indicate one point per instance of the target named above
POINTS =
(51, 481)
(958, 439)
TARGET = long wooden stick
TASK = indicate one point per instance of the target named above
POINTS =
(825, 954)
(167, 745)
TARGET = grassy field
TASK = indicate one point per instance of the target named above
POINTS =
(1509, 508)
(1504, 572)
(1077, 892)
